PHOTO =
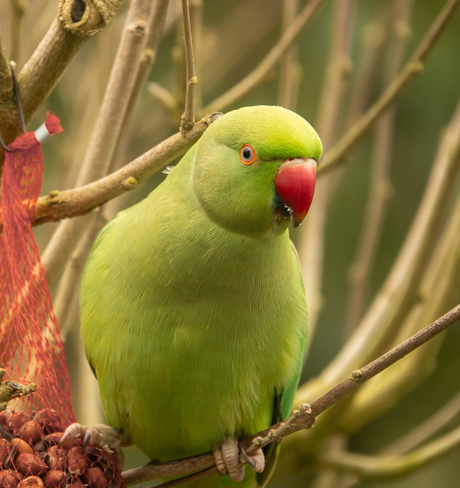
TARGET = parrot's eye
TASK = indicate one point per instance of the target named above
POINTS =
(247, 154)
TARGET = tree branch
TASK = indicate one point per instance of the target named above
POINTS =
(106, 131)
(337, 155)
(188, 117)
(47, 64)
(79, 201)
(73, 270)
(438, 290)
(400, 290)
(263, 68)
(18, 9)
(289, 68)
(305, 417)
(379, 467)
(155, 29)
(380, 185)
(312, 235)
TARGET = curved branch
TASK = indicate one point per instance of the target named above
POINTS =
(79, 201)
(188, 117)
(379, 467)
(261, 71)
(336, 156)
(301, 419)
(43, 70)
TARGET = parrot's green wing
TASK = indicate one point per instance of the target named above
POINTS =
(283, 406)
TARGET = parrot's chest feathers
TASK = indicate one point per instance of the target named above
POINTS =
(237, 306)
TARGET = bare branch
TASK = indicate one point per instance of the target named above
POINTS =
(264, 67)
(18, 9)
(380, 186)
(188, 117)
(422, 432)
(50, 60)
(379, 467)
(312, 235)
(155, 27)
(70, 203)
(289, 69)
(305, 417)
(400, 290)
(107, 129)
(413, 67)
(368, 66)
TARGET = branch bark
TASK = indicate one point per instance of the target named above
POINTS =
(301, 419)
(79, 201)
(188, 117)
(64, 39)
(337, 155)
(263, 68)
(106, 132)
(400, 290)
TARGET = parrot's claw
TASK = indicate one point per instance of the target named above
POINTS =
(100, 435)
(256, 460)
(229, 461)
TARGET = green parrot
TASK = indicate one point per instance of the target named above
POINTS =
(193, 313)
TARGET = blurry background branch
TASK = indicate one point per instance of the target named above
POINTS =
(341, 66)
(188, 117)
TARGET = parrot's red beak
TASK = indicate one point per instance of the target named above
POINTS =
(295, 183)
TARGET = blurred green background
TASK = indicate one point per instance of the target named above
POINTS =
(236, 36)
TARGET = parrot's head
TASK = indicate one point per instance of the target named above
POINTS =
(255, 170)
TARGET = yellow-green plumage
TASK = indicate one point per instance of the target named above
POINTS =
(193, 306)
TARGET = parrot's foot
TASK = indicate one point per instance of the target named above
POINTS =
(230, 461)
(100, 435)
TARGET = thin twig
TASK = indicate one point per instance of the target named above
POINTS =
(18, 9)
(264, 67)
(106, 132)
(289, 68)
(188, 117)
(379, 467)
(337, 155)
(400, 290)
(312, 235)
(380, 186)
(444, 416)
(305, 417)
(68, 284)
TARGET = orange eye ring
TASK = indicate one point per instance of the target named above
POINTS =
(247, 154)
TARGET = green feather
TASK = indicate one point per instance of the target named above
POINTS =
(192, 302)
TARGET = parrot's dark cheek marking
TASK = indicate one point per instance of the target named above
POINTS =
(279, 208)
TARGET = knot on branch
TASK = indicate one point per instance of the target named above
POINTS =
(129, 183)
(12, 389)
(86, 17)
(356, 375)
(138, 28)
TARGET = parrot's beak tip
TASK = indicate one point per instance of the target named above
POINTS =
(295, 183)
